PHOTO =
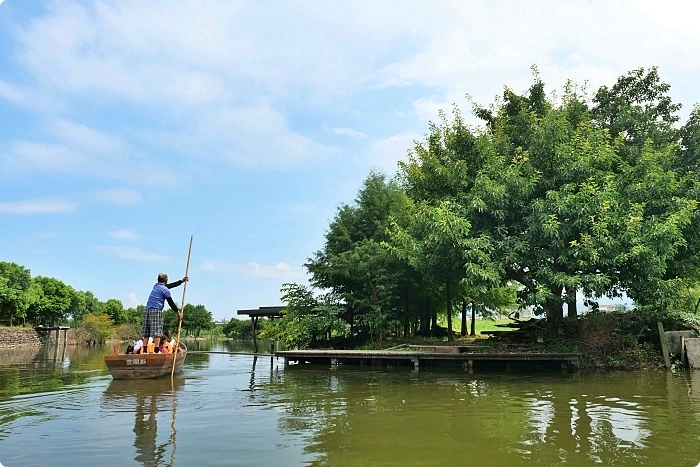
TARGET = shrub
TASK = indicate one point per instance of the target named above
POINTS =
(95, 328)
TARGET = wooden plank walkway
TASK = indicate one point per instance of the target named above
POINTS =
(469, 360)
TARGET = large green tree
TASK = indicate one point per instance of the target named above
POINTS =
(438, 244)
(15, 294)
(375, 284)
(52, 302)
(115, 310)
(570, 199)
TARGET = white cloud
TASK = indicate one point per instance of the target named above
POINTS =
(74, 148)
(384, 154)
(125, 235)
(278, 271)
(348, 132)
(131, 253)
(15, 94)
(132, 301)
(37, 206)
(119, 196)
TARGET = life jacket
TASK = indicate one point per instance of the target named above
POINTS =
(168, 347)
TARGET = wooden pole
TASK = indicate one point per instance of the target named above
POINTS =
(664, 345)
(179, 326)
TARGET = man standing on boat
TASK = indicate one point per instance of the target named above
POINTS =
(153, 313)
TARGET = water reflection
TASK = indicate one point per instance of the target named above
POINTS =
(146, 398)
(250, 411)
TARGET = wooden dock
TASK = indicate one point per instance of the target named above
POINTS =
(440, 357)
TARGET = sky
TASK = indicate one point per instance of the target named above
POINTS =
(127, 127)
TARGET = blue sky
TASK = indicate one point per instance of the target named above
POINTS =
(129, 126)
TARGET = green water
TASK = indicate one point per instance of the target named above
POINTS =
(62, 408)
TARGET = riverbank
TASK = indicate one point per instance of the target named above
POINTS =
(18, 338)
(604, 341)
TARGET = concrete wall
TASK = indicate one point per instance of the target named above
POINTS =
(692, 347)
(674, 340)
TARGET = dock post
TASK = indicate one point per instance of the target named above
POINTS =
(664, 345)
(683, 351)
(416, 364)
(465, 366)
(286, 362)
(334, 363)
(470, 363)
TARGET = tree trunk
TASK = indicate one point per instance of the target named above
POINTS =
(571, 307)
(448, 292)
(425, 318)
(406, 320)
(464, 318)
(555, 312)
(473, 333)
(433, 317)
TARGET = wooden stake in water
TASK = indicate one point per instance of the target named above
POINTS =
(179, 326)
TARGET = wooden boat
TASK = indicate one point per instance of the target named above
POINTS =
(141, 366)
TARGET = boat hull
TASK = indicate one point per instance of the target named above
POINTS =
(142, 366)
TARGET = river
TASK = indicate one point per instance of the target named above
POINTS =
(61, 407)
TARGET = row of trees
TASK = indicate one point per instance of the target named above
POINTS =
(550, 197)
(47, 301)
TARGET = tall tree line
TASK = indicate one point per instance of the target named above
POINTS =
(48, 301)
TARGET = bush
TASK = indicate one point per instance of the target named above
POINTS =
(95, 329)
(238, 329)
(127, 332)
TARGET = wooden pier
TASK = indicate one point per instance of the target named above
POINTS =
(441, 357)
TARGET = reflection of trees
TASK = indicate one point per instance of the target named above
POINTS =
(48, 369)
(197, 360)
(147, 398)
(394, 418)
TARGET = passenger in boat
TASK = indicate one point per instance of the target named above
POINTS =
(170, 338)
(166, 346)
(153, 313)
(138, 346)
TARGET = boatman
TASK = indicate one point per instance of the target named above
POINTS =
(153, 313)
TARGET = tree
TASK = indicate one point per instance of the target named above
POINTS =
(78, 305)
(53, 300)
(135, 315)
(15, 296)
(439, 246)
(115, 310)
(238, 328)
(571, 199)
(374, 284)
(308, 320)
(95, 328)
(195, 319)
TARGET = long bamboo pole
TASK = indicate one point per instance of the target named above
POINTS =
(179, 326)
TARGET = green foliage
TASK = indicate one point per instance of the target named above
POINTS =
(127, 332)
(115, 310)
(196, 318)
(15, 294)
(135, 315)
(95, 328)
(372, 282)
(308, 321)
(571, 198)
(238, 329)
(51, 303)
